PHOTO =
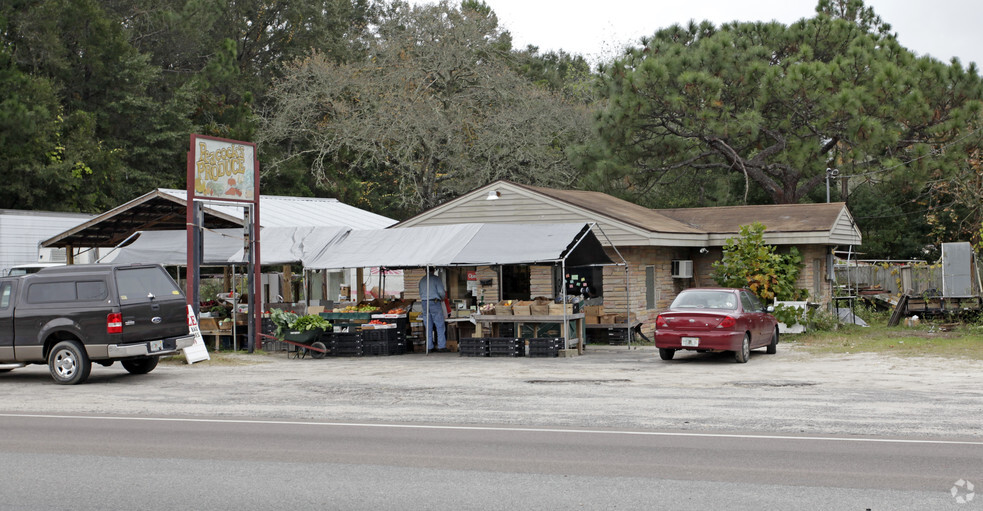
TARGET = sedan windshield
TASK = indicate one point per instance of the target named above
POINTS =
(707, 299)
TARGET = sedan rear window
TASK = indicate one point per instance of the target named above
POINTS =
(705, 300)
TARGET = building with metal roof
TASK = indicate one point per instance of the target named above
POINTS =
(667, 250)
(166, 209)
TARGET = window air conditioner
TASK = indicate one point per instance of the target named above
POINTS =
(682, 269)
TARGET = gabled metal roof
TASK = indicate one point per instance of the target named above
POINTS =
(166, 209)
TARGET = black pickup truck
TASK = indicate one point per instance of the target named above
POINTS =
(71, 316)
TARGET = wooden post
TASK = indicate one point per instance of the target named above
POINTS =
(69, 254)
(288, 289)
(360, 286)
(226, 279)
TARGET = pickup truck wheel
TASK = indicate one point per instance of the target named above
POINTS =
(68, 363)
(140, 365)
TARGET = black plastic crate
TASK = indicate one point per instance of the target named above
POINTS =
(504, 342)
(380, 334)
(506, 329)
(373, 348)
(473, 342)
(543, 342)
(506, 352)
(612, 336)
(545, 346)
(473, 352)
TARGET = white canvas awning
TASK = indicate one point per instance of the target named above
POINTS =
(168, 248)
(223, 247)
(287, 245)
(463, 245)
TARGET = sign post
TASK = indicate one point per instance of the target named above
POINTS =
(225, 171)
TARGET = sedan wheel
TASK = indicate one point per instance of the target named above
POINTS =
(742, 355)
(667, 353)
(773, 347)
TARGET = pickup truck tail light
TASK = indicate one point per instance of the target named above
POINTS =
(114, 323)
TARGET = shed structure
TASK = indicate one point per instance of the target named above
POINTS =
(667, 250)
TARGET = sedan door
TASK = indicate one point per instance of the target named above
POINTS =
(754, 311)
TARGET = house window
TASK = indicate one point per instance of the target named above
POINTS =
(651, 292)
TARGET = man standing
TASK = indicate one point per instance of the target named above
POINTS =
(432, 297)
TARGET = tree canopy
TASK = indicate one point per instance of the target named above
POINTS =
(432, 111)
(757, 112)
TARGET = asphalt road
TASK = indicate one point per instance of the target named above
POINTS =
(119, 462)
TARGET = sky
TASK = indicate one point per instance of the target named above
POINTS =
(598, 29)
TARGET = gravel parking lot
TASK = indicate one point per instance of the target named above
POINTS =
(608, 387)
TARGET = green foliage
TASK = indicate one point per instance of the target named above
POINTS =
(310, 322)
(283, 320)
(433, 113)
(755, 112)
(749, 262)
(789, 315)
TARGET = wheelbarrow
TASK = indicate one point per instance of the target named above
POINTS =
(304, 342)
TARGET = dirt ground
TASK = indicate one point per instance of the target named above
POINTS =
(792, 392)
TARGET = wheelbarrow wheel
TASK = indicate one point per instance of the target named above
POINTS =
(318, 345)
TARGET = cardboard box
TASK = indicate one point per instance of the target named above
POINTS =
(539, 309)
(521, 308)
(208, 324)
(592, 320)
(607, 319)
(556, 309)
(503, 308)
(593, 310)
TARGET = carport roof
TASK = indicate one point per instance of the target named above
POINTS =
(166, 209)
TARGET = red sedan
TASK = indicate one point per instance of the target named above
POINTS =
(716, 319)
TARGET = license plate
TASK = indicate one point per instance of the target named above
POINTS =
(691, 341)
(156, 346)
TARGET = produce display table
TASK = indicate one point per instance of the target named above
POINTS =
(487, 326)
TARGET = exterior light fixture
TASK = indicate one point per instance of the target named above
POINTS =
(493, 195)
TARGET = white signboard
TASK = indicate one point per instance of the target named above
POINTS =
(197, 351)
(224, 169)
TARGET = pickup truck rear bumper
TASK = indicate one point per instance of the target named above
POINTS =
(143, 349)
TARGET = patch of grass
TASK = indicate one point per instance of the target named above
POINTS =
(959, 341)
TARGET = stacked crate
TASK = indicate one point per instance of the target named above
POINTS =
(545, 346)
(473, 347)
(506, 347)
(614, 336)
(383, 341)
(343, 344)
